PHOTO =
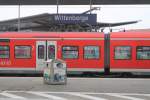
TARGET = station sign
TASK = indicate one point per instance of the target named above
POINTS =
(74, 19)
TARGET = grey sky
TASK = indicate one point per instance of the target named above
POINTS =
(108, 13)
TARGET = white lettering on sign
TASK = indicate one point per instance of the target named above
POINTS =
(71, 18)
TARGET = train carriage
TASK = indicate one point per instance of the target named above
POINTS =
(26, 52)
(130, 51)
(22, 52)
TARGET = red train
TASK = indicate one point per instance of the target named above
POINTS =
(83, 51)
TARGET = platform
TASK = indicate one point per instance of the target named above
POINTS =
(32, 88)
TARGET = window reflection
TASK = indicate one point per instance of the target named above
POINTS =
(51, 51)
(123, 52)
(41, 52)
(143, 52)
(4, 52)
(91, 52)
(22, 51)
(70, 52)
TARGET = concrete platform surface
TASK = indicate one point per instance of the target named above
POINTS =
(76, 89)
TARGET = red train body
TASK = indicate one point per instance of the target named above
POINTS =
(82, 51)
(139, 43)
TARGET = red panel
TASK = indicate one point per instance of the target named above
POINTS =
(20, 63)
(131, 35)
(26, 63)
(51, 35)
(129, 64)
(81, 62)
(5, 62)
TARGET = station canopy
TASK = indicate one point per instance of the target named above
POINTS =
(66, 22)
(59, 22)
(72, 2)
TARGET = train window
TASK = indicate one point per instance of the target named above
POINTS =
(143, 52)
(91, 52)
(51, 52)
(122, 52)
(4, 52)
(22, 51)
(70, 52)
(41, 52)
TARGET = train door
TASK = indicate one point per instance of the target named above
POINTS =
(45, 50)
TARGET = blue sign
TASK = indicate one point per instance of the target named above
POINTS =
(75, 18)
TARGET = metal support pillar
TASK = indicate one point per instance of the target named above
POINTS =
(90, 6)
(57, 6)
(18, 17)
